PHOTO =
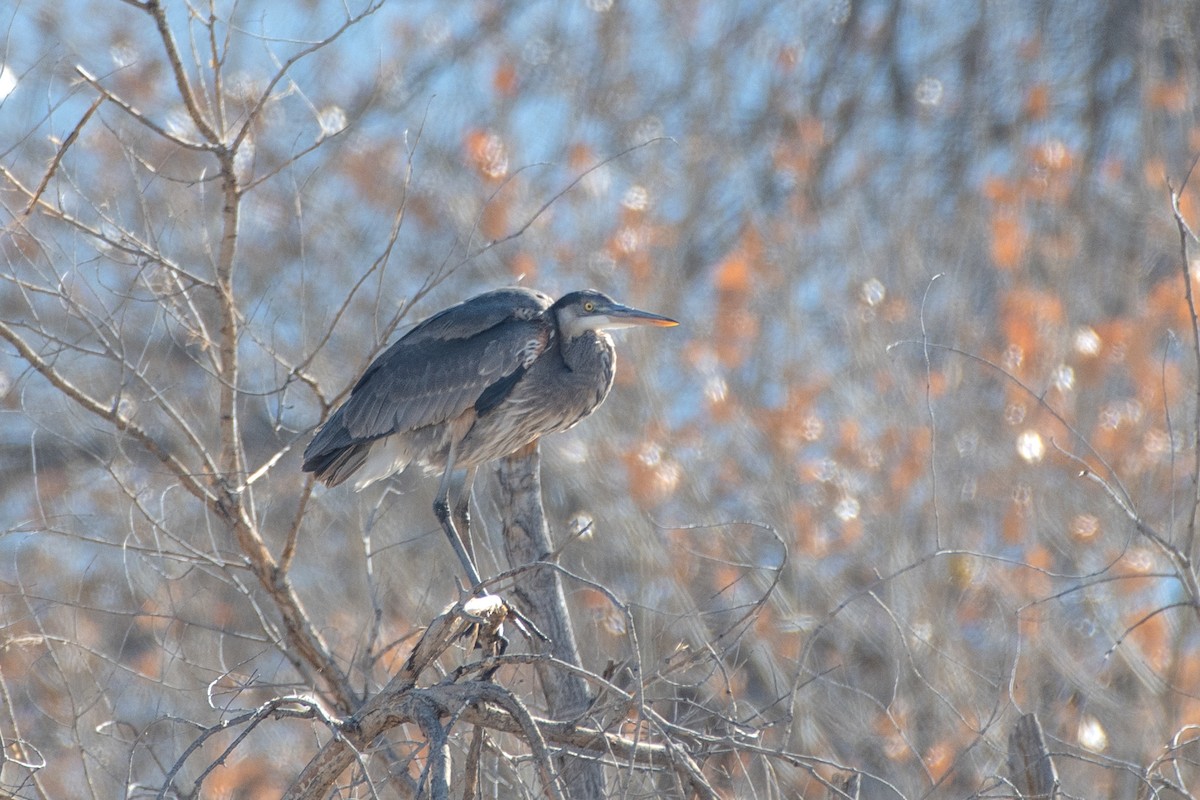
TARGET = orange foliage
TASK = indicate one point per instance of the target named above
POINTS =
(939, 759)
(1052, 155)
(809, 537)
(852, 531)
(1000, 191)
(1154, 171)
(939, 382)
(735, 279)
(1041, 561)
(493, 221)
(733, 274)
(794, 424)
(523, 266)
(246, 777)
(652, 476)
(1169, 96)
(374, 169)
(1114, 338)
(912, 466)
(487, 153)
(889, 727)
(1009, 240)
(1187, 206)
(1029, 319)
(1152, 637)
(1029, 625)
(1037, 101)
(1111, 170)
(1013, 528)
(814, 539)
(605, 616)
(725, 576)
(580, 158)
(848, 433)
(797, 153)
(1053, 168)
(504, 79)
(1135, 566)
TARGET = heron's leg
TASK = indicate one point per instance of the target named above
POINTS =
(441, 508)
(462, 512)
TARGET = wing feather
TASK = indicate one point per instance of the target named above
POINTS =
(432, 377)
(478, 314)
(477, 350)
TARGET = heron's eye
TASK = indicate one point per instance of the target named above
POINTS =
(589, 306)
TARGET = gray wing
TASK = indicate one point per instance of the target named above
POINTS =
(474, 316)
(448, 363)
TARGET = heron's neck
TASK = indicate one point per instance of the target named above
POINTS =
(589, 350)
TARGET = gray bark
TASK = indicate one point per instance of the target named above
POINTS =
(539, 595)
(1030, 766)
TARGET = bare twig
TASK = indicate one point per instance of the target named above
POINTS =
(1036, 397)
(62, 151)
(264, 96)
(112, 414)
(137, 115)
(182, 82)
(292, 706)
(128, 244)
(933, 484)
(520, 231)
(530, 732)
(1186, 234)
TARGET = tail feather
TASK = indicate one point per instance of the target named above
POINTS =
(332, 467)
(334, 455)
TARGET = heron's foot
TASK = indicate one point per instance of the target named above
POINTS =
(487, 613)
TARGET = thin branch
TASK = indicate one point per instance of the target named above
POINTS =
(186, 477)
(293, 706)
(279, 75)
(130, 246)
(182, 82)
(138, 116)
(531, 732)
(1185, 233)
(1039, 399)
(1180, 560)
(62, 151)
(1142, 621)
(554, 198)
(933, 484)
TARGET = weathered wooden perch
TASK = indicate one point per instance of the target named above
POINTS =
(400, 701)
(538, 593)
(483, 704)
(1030, 767)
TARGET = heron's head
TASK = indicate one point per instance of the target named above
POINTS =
(589, 310)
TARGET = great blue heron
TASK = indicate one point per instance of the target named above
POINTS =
(474, 383)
